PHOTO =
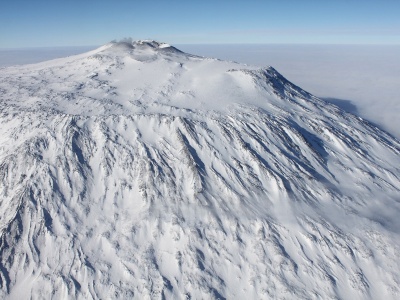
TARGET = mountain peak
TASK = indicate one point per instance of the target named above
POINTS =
(139, 171)
(131, 45)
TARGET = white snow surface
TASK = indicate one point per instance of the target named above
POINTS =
(139, 171)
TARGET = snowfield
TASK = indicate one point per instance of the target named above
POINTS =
(140, 171)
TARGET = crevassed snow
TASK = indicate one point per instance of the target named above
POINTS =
(139, 171)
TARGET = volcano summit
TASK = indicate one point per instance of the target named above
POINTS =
(139, 171)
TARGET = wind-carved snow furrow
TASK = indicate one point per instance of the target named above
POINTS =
(193, 162)
(225, 186)
(261, 161)
(294, 156)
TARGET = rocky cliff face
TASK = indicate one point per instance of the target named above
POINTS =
(137, 170)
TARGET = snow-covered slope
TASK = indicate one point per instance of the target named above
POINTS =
(137, 170)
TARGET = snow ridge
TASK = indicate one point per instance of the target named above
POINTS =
(140, 171)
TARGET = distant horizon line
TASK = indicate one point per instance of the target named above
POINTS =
(211, 44)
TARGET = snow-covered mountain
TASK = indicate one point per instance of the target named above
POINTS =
(139, 171)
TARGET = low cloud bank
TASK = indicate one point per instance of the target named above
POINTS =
(21, 56)
(362, 79)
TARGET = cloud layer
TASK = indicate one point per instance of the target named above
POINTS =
(361, 79)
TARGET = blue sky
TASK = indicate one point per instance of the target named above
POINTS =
(28, 23)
